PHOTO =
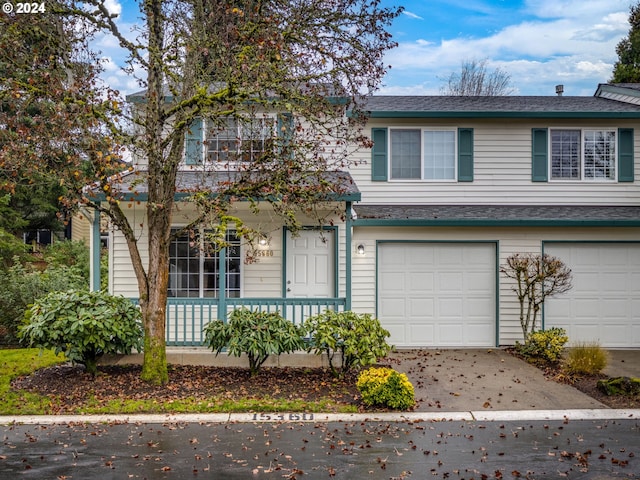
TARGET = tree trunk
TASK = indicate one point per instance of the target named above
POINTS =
(154, 314)
(154, 367)
(161, 184)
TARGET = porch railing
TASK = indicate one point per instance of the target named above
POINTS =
(186, 317)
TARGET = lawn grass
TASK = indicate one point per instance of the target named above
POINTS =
(17, 362)
(211, 405)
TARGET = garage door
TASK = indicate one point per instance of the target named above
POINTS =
(604, 303)
(437, 294)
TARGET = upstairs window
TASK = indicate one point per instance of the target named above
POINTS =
(229, 141)
(583, 154)
(239, 140)
(195, 270)
(423, 154)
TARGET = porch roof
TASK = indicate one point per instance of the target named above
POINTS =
(133, 185)
(497, 215)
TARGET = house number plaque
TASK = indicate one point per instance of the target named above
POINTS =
(264, 253)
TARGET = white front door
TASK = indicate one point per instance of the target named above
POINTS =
(310, 264)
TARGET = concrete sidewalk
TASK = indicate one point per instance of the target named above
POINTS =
(492, 379)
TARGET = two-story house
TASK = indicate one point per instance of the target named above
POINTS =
(450, 189)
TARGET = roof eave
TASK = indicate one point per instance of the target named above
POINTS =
(495, 114)
(182, 196)
(482, 222)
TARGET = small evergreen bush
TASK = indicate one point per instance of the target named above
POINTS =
(357, 339)
(21, 283)
(544, 345)
(385, 387)
(257, 334)
(83, 325)
(587, 358)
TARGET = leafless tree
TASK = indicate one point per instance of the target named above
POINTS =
(536, 278)
(475, 80)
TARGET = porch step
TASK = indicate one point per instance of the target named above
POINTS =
(204, 356)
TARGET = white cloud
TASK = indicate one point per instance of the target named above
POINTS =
(113, 7)
(570, 41)
(412, 15)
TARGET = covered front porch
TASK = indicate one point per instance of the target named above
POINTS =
(297, 273)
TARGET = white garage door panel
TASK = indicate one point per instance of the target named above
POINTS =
(604, 303)
(434, 294)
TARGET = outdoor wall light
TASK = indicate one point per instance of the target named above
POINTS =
(263, 240)
(360, 249)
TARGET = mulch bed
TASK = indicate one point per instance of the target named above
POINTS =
(70, 386)
(588, 384)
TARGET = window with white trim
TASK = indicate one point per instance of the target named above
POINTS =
(194, 269)
(588, 155)
(239, 139)
(423, 154)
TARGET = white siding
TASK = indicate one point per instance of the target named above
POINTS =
(502, 170)
(510, 240)
(260, 279)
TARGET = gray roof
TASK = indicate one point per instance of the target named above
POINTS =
(133, 184)
(513, 215)
(503, 106)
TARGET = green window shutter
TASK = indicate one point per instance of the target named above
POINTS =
(285, 133)
(379, 155)
(193, 149)
(465, 154)
(539, 155)
(625, 155)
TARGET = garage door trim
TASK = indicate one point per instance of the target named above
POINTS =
(496, 267)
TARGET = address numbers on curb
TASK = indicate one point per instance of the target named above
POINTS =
(284, 417)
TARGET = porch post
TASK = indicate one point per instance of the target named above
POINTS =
(94, 251)
(348, 252)
(222, 284)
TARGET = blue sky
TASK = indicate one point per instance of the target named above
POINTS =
(540, 43)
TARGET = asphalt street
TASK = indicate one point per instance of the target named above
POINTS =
(351, 448)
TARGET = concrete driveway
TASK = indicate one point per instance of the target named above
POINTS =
(489, 379)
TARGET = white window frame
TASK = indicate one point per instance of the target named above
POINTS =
(238, 160)
(582, 177)
(202, 256)
(422, 130)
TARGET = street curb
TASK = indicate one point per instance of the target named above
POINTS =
(471, 416)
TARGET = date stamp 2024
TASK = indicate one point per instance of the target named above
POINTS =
(24, 7)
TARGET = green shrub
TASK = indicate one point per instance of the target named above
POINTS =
(386, 387)
(11, 249)
(544, 345)
(586, 358)
(68, 254)
(83, 325)
(358, 340)
(257, 334)
(626, 386)
(21, 286)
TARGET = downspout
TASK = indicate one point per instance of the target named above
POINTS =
(348, 255)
